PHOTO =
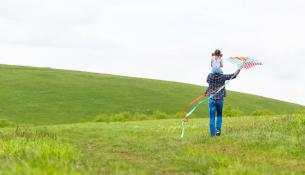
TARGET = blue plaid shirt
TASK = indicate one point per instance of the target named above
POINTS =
(215, 82)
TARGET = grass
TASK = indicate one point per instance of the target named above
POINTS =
(51, 96)
(36, 152)
(248, 145)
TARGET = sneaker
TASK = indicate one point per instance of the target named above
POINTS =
(217, 133)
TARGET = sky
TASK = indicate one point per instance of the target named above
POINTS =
(162, 39)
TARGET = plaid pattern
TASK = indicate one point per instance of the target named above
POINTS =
(215, 82)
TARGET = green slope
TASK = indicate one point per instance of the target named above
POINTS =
(48, 96)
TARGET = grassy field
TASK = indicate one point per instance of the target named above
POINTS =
(248, 145)
(46, 127)
(50, 96)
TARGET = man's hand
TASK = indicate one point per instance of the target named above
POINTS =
(237, 72)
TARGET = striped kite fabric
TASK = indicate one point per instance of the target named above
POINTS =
(246, 62)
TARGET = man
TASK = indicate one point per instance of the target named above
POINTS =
(217, 80)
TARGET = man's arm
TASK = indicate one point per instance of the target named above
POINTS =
(236, 72)
(229, 76)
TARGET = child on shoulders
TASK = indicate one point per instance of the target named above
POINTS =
(216, 62)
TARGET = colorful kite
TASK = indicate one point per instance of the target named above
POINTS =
(244, 62)
(240, 62)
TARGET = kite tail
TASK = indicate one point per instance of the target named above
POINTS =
(186, 115)
(182, 128)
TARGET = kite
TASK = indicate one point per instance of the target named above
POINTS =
(244, 62)
(240, 62)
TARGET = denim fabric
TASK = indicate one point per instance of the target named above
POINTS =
(215, 107)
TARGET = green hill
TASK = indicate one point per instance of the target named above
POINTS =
(248, 145)
(50, 96)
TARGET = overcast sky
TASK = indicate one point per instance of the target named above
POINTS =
(162, 39)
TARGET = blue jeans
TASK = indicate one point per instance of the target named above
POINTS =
(215, 106)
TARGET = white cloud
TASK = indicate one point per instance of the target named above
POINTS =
(168, 39)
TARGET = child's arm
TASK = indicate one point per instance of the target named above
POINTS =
(221, 64)
(211, 62)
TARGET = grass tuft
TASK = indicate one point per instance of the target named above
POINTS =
(27, 151)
